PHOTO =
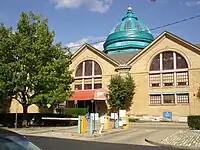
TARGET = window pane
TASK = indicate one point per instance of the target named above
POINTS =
(155, 65)
(168, 62)
(154, 80)
(79, 70)
(97, 86)
(88, 68)
(168, 79)
(127, 25)
(88, 81)
(182, 78)
(87, 86)
(78, 87)
(155, 99)
(98, 80)
(180, 62)
(118, 27)
(183, 98)
(169, 98)
(97, 69)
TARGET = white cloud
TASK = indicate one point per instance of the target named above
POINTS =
(93, 5)
(97, 42)
(99, 46)
(192, 3)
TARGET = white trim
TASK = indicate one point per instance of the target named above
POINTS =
(83, 70)
(92, 68)
(175, 98)
(175, 82)
(162, 101)
(92, 83)
(161, 61)
(87, 77)
(166, 71)
(83, 81)
(174, 59)
(93, 75)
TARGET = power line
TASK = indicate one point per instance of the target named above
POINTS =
(176, 22)
(152, 29)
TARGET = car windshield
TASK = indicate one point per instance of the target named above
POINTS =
(16, 143)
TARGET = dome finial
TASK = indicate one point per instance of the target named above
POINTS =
(130, 8)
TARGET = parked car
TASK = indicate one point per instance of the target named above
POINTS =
(13, 141)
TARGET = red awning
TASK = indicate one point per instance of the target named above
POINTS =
(84, 95)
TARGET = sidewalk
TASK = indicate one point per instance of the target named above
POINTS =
(178, 139)
(67, 132)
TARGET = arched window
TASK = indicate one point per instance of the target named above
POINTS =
(88, 75)
(118, 27)
(168, 69)
(127, 25)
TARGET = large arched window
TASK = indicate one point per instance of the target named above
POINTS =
(88, 76)
(168, 69)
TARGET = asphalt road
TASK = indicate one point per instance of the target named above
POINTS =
(48, 143)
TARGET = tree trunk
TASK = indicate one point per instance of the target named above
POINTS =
(25, 115)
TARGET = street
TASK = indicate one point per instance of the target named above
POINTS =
(63, 138)
(48, 143)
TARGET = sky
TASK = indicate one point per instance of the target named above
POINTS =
(78, 21)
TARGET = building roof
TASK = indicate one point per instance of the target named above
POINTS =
(129, 35)
(123, 58)
(198, 45)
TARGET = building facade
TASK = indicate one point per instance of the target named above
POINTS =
(165, 69)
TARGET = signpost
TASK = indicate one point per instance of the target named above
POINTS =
(167, 116)
(16, 114)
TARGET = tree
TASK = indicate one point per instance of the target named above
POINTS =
(6, 87)
(121, 92)
(35, 69)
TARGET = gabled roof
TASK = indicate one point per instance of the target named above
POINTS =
(168, 35)
(123, 58)
(127, 58)
(96, 51)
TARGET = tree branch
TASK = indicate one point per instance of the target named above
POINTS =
(19, 101)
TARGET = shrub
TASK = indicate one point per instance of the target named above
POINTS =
(194, 122)
(133, 120)
(73, 112)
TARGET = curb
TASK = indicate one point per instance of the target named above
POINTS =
(171, 146)
(43, 131)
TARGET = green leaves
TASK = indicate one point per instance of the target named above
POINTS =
(32, 66)
(121, 92)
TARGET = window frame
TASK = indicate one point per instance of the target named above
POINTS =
(176, 100)
(174, 71)
(88, 79)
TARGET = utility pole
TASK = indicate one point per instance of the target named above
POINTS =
(16, 114)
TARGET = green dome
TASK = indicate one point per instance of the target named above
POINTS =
(129, 35)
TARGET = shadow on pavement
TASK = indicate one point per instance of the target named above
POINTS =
(48, 143)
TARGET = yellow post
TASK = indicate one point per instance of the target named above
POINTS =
(83, 124)
(107, 123)
(125, 123)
